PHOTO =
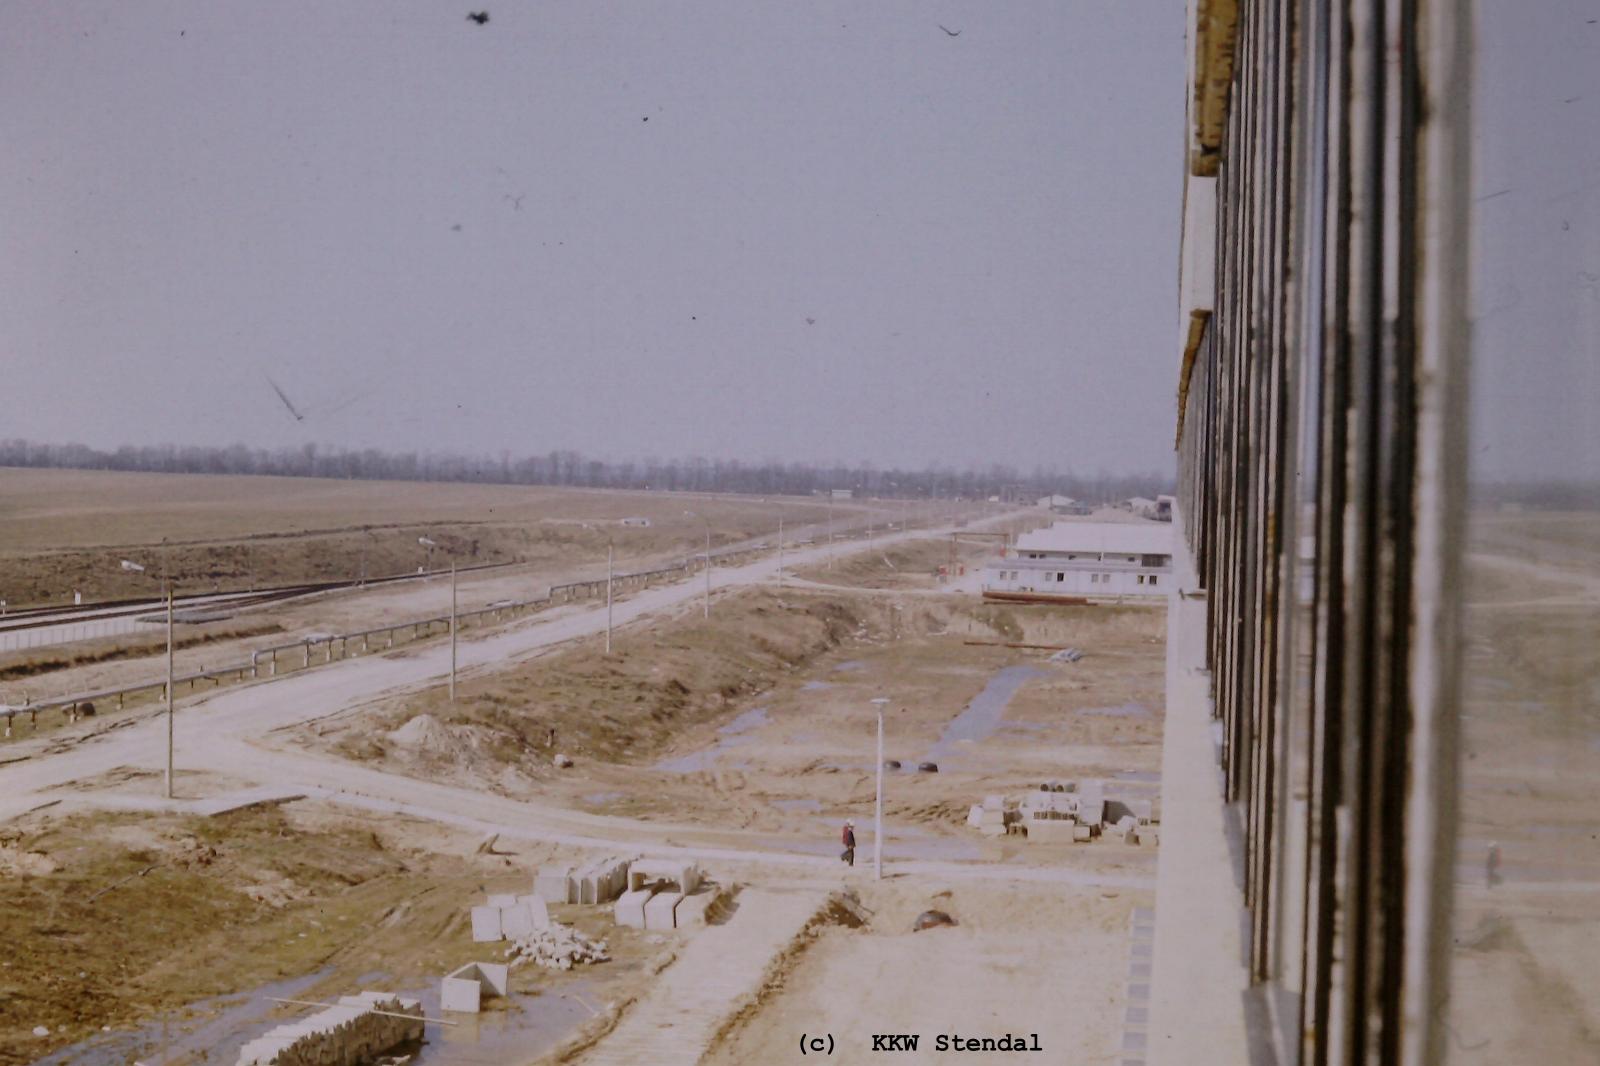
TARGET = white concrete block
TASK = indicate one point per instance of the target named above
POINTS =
(660, 912)
(516, 921)
(460, 994)
(537, 908)
(486, 925)
(495, 976)
(503, 900)
(629, 908)
(553, 884)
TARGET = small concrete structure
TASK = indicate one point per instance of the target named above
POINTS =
(465, 989)
(348, 1034)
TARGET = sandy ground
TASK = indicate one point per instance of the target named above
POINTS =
(1036, 963)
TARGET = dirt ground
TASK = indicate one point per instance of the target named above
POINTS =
(63, 530)
(913, 565)
(116, 919)
(1022, 960)
(761, 719)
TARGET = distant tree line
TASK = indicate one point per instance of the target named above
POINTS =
(572, 468)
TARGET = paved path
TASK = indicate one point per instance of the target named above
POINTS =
(711, 981)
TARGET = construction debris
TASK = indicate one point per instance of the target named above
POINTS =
(556, 947)
(931, 920)
(1066, 655)
(356, 1030)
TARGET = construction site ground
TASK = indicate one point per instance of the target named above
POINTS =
(742, 742)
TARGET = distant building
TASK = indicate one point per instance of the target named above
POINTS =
(1081, 560)
(841, 494)
(1164, 506)
(1143, 506)
(1063, 505)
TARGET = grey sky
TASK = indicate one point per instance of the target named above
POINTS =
(981, 229)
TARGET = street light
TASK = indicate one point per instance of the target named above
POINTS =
(877, 818)
(780, 545)
(707, 521)
(134, 568)
(611, 551)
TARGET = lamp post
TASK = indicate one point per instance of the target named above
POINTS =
(452, 630)
(135, 568)
(877, 817)
(611, 553)
(780, 545)
(707, 521)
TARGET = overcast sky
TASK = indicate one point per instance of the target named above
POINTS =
(745, 230)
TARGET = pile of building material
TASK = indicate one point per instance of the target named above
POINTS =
(556, 947)
(1064, 812)
(600, 881)
(1066, 655)
(655, 889)
(507, 917)
(355, 1031)
(992, 817)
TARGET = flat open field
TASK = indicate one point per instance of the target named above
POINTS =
(66, 530)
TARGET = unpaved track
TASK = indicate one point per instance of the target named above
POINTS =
(220, 734)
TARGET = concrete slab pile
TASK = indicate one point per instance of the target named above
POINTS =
(347, 1034)
(599, 881)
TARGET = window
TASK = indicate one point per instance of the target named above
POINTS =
(1141, 579)
(1152, 579)
(1094, 579)
(1061, 575)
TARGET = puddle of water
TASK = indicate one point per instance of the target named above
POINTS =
(853, 664)
(532, 1026)
(983, 714)
(1127, 710)
(815, 686)
(240, 1018)
(732, 735)
(754, 718)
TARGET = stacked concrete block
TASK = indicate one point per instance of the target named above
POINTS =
(685, 876)
(1123, 830)
(1051, 830)
(554, 884)
(1091, 812)
(465, 989)
(347, 1034)
(701, 908)
(1147, 834)
(517, 920)
(660, 911)
(601, 881)
(1082, 834)
(629, 908)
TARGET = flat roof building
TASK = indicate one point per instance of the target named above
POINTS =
(1080, 561)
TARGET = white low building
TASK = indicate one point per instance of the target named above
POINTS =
(1084, 560)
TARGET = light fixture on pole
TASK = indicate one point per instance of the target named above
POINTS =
(877, 817)
(452, 630)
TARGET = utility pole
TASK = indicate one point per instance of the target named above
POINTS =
(708, 571)
(611, 549)
(170, 692)
(830, 529)
(452, 630)
(780, 547)
(877, 817)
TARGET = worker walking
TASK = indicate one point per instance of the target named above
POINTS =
(848, 838)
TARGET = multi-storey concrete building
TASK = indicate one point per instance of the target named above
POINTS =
(1381, 830)
(1084, 560)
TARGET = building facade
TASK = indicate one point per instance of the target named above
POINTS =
(1381, 834)
(1084, 560)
